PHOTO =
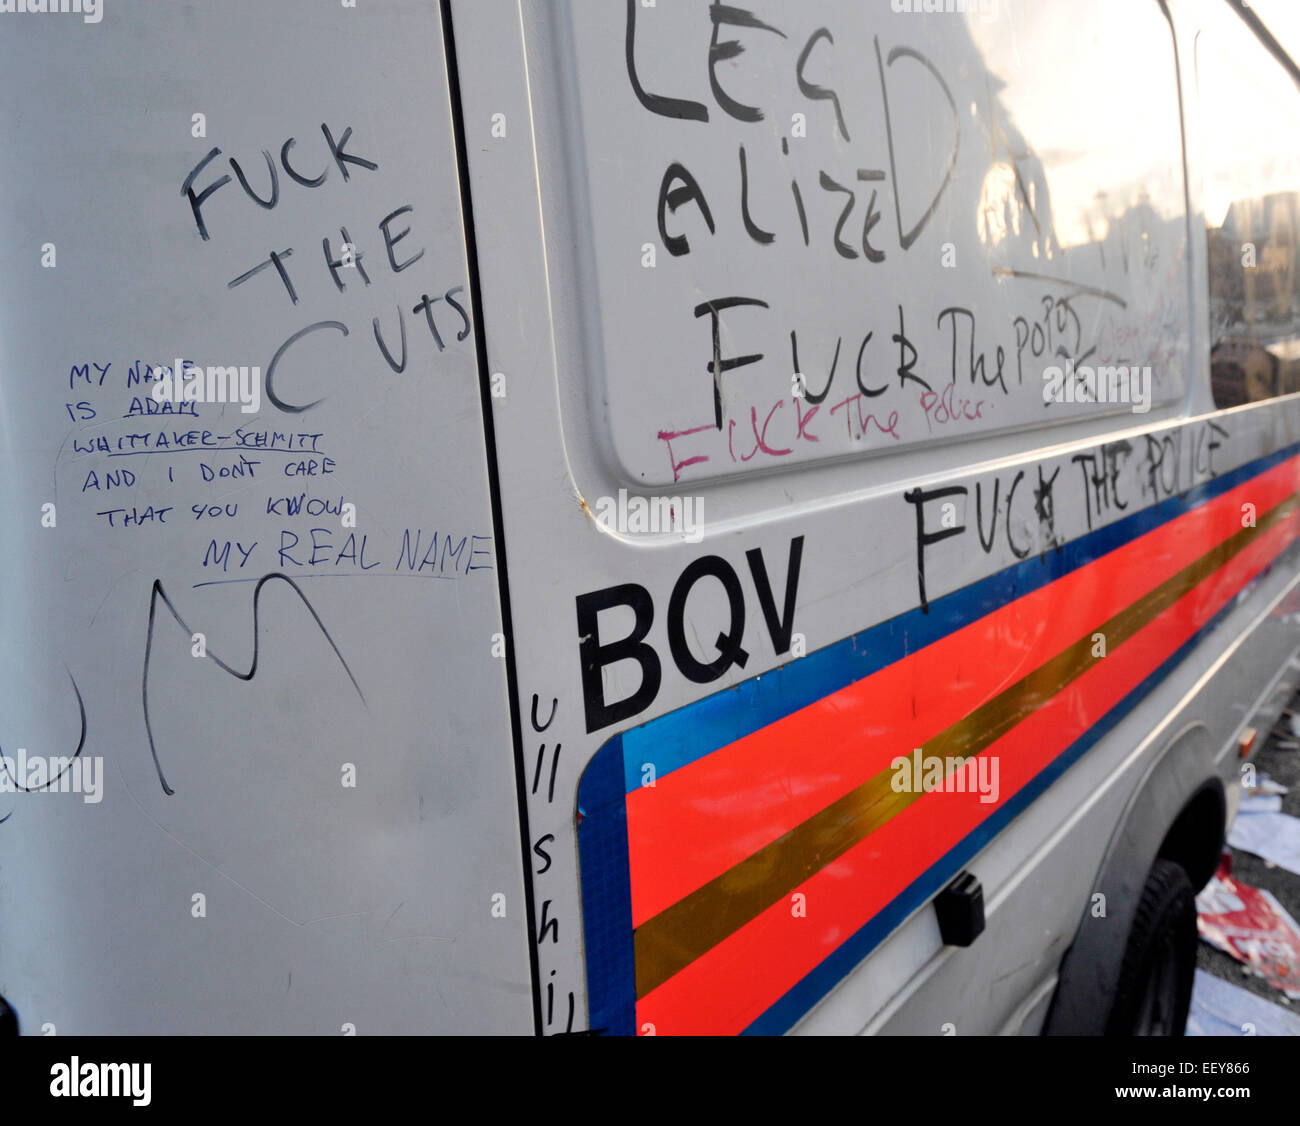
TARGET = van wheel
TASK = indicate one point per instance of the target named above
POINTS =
(1155, 980)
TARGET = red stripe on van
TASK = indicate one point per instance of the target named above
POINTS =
(703, 818)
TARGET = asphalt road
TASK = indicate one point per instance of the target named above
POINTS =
(1283, 765)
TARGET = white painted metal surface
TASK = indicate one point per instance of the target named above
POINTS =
(324, 904)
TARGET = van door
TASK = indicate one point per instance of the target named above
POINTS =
(254, 719)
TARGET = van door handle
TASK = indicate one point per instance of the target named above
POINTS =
(960, 907)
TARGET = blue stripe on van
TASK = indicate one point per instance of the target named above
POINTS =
(607, 893)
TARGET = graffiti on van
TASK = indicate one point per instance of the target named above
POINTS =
(955, 383)
(159, 594)
(343, 258)
(1037, 510)
(1035, 268)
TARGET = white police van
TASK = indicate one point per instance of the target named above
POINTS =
(646, 518)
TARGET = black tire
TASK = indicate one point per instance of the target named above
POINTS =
(1155, 979)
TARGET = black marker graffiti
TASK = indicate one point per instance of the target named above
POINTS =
(81, 745)
(158, 594)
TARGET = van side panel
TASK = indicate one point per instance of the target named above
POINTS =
(740, 828)
(273, 634)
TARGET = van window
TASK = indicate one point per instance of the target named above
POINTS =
(866, 236)
(1251, 113)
